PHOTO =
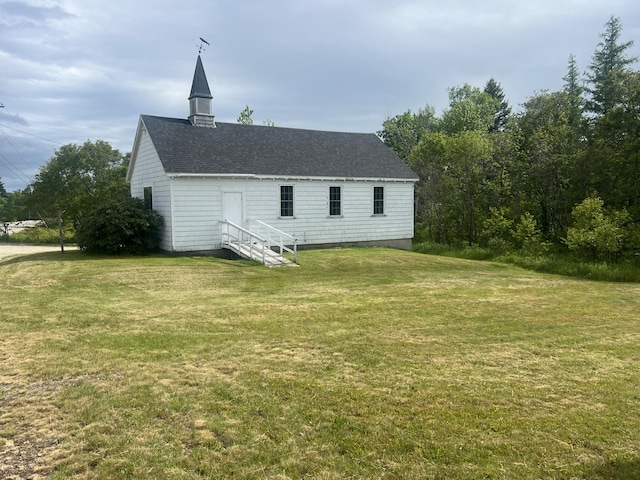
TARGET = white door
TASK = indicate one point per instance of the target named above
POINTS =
(232, 207)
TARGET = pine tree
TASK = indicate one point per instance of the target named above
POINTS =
(503, 110)
(574, 90)
(609, 63)
(245, 116)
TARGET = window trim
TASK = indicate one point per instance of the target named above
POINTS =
(378, 201)
(292, 200)
(332, 201)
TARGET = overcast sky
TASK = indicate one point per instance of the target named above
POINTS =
(78, 70)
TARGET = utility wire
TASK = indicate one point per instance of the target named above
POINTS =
(17, 171)
(10, 165)
(30, 134)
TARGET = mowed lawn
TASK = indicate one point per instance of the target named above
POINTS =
(362, 363)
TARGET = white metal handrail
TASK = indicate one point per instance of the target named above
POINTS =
(247, 239)
(280, 238)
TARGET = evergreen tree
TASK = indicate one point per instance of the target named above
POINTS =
(609, 63)
(574, 91)
(503, 110)
(245, 116)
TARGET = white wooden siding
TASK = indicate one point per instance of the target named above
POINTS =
(197, 211)
(148, 172)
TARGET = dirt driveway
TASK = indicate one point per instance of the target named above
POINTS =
(11, 249)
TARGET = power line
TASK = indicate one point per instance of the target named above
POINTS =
(30, 134)
(17, 171)
(13, 168)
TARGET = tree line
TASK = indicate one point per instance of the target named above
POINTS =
(562, 173)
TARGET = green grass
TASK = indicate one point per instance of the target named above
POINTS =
(363, 363)
(556, 261)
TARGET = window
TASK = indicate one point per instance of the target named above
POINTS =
(286, 201)
(335, 207)
(378, 200)
(148, 198)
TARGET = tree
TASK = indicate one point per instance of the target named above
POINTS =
(614, 149)
(119, 225)
(574, 90)
(525, 234)
(551, 148)
(77, 178)
(12, 207)
(608, 62)
(3, 192)
(502, 109)
(596, 234)
(496, 229)
(452, 188)
(245, 116)
(470, 109)
(403, 132)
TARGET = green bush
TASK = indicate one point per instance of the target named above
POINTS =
(597, 234)
(496, 229)
(121, 225)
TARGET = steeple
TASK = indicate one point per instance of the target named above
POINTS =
(200, 99)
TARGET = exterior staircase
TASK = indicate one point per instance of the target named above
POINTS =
(265, 244)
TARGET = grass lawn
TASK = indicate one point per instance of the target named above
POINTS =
(363, 363)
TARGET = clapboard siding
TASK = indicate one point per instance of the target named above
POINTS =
(148, 172)
(197, 216)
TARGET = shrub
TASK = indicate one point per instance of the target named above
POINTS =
(596, 234)
(120, 225)
(496, 230)
(527, 236)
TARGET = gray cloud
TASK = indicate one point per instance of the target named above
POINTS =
(80, 70)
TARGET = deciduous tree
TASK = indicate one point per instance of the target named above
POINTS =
(403, 132)
(76, 178)
(470, 110)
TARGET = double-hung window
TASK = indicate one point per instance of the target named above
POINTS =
(335, 201)
(286, 200)
(148, 197)
(378, 200)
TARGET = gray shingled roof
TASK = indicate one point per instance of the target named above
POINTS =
(232, 148)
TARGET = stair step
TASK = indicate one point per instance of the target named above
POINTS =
(271, 258)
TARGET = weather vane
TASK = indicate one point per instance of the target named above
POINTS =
(201, 47)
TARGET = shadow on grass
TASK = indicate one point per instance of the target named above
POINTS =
(619, 470)
(74, 255)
